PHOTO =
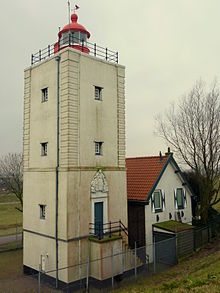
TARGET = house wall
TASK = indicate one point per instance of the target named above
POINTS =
(82, 121)
(168, 182)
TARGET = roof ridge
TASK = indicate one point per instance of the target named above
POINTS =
(146, 157)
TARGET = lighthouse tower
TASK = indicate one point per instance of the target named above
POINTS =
(74, 156)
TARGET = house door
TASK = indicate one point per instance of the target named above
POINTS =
(98, 213)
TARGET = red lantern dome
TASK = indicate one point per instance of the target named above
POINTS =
(73, 35)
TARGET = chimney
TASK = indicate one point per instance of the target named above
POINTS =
(161, 158)
(168, 152)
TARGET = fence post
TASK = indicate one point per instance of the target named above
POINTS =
(202, 235)
(208, 234)
(112, 269)
(16, 234)
(87, 272)
(110, 229)
(106, 54)
(82, 45)
(154, 252)
(39, 278)
(135, 259)
(87, 269)
(39, 55)
(95, 49)
(69, 40)
(32, 59)
(48, 50)
(119, 227)
(176, 248)
(116, 57)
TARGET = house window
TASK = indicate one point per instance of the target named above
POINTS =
(180, 198)
(98, 148)
(44, 149)
(98, 93)
(158, 201)
(42, 211)
(44, 94)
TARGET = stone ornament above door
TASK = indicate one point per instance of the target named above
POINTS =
(99, 183)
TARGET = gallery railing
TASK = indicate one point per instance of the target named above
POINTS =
(74, 42)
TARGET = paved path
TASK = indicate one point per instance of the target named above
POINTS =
(10, 238)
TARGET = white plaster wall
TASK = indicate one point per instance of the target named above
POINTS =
(46, 247)
(98, 119)
(168, 182)
(43, 115)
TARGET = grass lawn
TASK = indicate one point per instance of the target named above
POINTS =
(9, 216)
(10, 246)
(8, 198)
(12, 278)
(198, 273)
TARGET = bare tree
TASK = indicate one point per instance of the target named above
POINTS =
(193, 129)
(11, 172)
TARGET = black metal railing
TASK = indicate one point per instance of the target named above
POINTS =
(100, 230)
(81, 44)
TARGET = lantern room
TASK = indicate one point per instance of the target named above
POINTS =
(73, 35)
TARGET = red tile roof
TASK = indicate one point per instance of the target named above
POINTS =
(142, 173)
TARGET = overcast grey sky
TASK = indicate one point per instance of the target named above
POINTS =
(165, 45)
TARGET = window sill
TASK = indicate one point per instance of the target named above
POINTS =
(158, 211)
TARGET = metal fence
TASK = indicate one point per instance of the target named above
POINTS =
(129, 264)
(74, 42)
(121, 266)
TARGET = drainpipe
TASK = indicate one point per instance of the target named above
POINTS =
(79, 181)
(58, 162)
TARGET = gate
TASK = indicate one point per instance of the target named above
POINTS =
(165, 248)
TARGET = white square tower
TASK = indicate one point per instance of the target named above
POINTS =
(74, 152)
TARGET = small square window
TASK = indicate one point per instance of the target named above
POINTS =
(44, 149)
(42, 211)
(98, 93)
(44, 94)
(98, 148)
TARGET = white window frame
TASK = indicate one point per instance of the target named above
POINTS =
(42, 211)
(44, 149)
(184, 199)
(44, 93)
(98, 148)
(162, 201)
(98, 93)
